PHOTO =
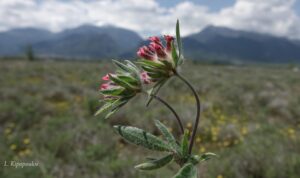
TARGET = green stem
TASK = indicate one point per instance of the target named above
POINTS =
(198, 105)
(172, 110)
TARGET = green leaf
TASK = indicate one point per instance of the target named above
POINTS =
(121, 82)
(113, 91)
(103, 108)
(111, 112)
(150, 63)
(185, 144)
(107, 106)
(151, 69)
(207, 156)
(168, 64)
(122, 66)
(178, 38)
(128, 79)
(174, 54)
(140, 137)
(168, 136)
(187, 171)
(155, 164)
(133, 67)
(111, 107)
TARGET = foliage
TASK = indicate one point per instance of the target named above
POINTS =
(250, 114)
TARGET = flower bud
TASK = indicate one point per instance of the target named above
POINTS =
(169, 39)
(145, 53)
(159, 49)
(106, 77)
(104, 86)
(155, 39)
(145, 78)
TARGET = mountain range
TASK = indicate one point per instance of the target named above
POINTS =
(91, 42)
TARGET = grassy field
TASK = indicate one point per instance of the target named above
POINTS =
(251, 119)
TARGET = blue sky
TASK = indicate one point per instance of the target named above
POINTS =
(297, 7)
(154, 17)
(213, 5)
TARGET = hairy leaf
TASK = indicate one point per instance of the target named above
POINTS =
(121, 82)
(207, 156)
(150, 63)
(187, 171)
(178, 39)
(108, 105)
(133, 67)
(168, 136)
(111, 107)
(128, 79)
(155, 164)
(122, 66)
(140, 137)
(174, 54)
(185, 144)
(113, 91)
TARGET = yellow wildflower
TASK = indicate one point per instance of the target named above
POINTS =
(189, 125)
(291, 131)
(226, 143)
(202, 149)
(21, 153)
(27, 152)
(26, 141)
(244, 130)
(198, 140)
(214, 138)
(13, 147)
(236, 141)
(7, 131)
(12, 125)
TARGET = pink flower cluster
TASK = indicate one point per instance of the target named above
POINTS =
(155, 50)
(109, 84)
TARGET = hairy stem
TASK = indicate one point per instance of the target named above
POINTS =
(172, 110)
(198, 105)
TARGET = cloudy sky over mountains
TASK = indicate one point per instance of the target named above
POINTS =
(149, 17)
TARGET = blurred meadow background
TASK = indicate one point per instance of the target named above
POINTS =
(247, 78)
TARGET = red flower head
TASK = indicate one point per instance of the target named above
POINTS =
(156, 50)
(169, 39)
(163, 63)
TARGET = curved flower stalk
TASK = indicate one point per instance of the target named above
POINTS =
(160, 61)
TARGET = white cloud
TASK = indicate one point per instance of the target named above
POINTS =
(273, 16)
(149, 18)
